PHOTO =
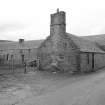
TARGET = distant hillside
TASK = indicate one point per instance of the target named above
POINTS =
(100, 39)
(15, 44)
(33, 43)
(5, 41)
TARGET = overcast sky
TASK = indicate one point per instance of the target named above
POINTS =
(30, 19)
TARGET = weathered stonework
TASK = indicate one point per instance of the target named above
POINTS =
(60, 55)
(58, 52)
(66, 53)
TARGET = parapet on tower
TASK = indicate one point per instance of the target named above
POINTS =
(58, 23)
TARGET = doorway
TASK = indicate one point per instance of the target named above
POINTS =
(93, 61)
(22, 56)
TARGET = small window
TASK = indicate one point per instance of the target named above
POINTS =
(29, 50)
(61, 56)
(12, 57)
(7, 57)
(65, 45)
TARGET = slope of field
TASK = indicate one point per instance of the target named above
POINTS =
(100, 39)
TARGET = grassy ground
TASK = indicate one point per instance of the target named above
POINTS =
(15, 86)
(46, 88)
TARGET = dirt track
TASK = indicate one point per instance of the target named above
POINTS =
(47, 89)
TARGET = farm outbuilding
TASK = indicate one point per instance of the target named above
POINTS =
(60, 51)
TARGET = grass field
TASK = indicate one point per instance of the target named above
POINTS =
(46, 88)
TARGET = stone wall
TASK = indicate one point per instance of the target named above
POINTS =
(99, 61)
(16, 56)
(58, 52)
(87, 64)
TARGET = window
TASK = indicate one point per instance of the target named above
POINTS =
(21, 51)
(29, 50)
(61, 56)
(65, 45)
(7, 56)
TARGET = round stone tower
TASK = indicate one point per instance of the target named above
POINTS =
(58, 23)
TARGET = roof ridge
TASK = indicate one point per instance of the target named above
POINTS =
(85, 45)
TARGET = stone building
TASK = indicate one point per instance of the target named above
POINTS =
(60, 51)
(18, 52)
(66, 52)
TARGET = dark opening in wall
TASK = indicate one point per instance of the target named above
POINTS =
(61, 56)
(65, 45)
(92, 60)
(22, 58)
(87, 58)
(7, 56)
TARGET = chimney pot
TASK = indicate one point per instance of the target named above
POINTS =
(57, 10)
(21, 41)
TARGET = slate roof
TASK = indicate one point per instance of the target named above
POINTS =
(84, 44)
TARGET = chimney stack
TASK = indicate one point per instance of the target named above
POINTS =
(58, 23)
(21, 41)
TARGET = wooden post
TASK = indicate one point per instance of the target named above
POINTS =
(38, 63)
(25, 67)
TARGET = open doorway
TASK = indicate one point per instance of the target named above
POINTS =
(93, 61)
(22, 57)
